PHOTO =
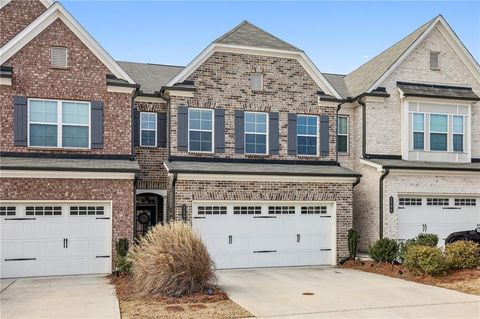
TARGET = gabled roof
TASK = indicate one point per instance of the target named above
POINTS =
(250, 35)
(54, 12)
(338, 82)
(151, 77)
(371, 74)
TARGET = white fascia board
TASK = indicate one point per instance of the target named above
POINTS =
(149, 99)
(417, 172)
(300, 56)
(374, 165)
(5, 81)
(120, 89)
(3, 3)
(54, 12)
(65, 174)
(261, 178)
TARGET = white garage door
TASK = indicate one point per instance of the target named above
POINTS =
(437, 215)
(49, 239)
(268, 234)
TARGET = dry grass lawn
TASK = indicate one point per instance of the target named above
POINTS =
(200, 305)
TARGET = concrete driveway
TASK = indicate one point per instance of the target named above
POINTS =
(341, 293)
(58, 297)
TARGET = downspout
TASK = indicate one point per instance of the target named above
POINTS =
(386, 171)
(174, 182)
(132, 157)
(168, 99)
(364, 128)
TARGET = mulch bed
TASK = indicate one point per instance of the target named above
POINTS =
(466, 280)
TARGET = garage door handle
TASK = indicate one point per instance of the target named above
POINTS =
(102, 256)
(230, 239)
(325, 216)
(199, 217)
(20, 259)
(19, 218)
(103, 218)
(452, 208)
(264, 216)
(298, 238)
(66, 242)
(326, 249)
(264, 251)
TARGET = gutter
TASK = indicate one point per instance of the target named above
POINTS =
(386, 171)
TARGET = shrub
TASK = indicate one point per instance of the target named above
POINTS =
(426, 240)
(462, 254)
(171, 260)
(123, 264)
(352, 243)
(384, 250)
(424, 260)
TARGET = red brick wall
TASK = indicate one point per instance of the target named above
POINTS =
(83, 80)
(120, 192)
(16, 16)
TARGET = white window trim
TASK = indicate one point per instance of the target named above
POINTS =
(60, 124)
(155, 130)
(308, 135)
(267, 120)
(412, 133)
(430, 132)
(346, 134)
(201, 130)
(463, 132)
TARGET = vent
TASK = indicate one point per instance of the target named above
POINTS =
(256, 81)
(59, 57)
(434, 61)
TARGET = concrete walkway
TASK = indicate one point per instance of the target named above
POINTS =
(341, 293)
(58, 297)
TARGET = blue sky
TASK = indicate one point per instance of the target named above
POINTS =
(338, 36)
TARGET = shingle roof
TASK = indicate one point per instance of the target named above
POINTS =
(88, 165)
(422, 165)
(437, 91)
(361, 79)
(338, 82)
(258, 169)
(247, 34)
(151, 77)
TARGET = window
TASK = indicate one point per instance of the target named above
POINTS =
(87, 210)
(43, 210)
(458, 130)
(342, 134)
(247, 210)
(8, 210)
(200, 130)
(59, 57)
(418, 131)
(438, 132)
(284, 210)
(255, 133)
(148, 129)
(256, 81)
(434, 61)
(307, 135)
(59, 124)
(437, 201)
(465, 202)
(212, 210)
(408, 201)
(314, 210)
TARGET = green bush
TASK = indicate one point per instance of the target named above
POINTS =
(352, 243)
(121, 246)
(462, 254)
(424, 260)
(123, 264)
(426, 240)
(384, 250)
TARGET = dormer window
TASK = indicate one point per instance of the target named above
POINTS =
(256, 81)
(435, 61)
(59, 57)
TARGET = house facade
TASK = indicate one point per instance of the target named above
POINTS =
(270, 160)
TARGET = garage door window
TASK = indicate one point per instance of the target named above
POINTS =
(437, 201)
(7, 210)
(284, 210)
(409, 201)
(314, 209)
(247, 210)
(465, 202)
(86, 210)
(43, 210)
(212, 210)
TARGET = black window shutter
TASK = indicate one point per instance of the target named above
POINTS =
(182, 128)
(162, 129)
(97, 124)
(239, 131)
(219, 130)
(292, 133)
(136, 127)
(324, 135)
(20, 120)
(273, 133)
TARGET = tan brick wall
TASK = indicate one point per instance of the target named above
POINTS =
(223, 82)
(120, 192)
(84, 80)
(153, 174)
(16, 16)
(188, 190)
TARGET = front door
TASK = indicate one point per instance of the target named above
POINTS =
(146, 219)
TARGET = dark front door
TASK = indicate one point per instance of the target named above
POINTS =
(146, 218)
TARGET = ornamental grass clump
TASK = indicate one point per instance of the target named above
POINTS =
(171, 260)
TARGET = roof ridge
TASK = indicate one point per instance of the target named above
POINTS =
(148, 63)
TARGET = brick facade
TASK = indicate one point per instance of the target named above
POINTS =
(120, 192)
(188, 190)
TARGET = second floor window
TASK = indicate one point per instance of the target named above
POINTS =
(54, 123)
(458, 131)
(342, 134)
(256, 133)
(438, 132)
(418, 131)
(307, 135)
(200, 130)
(148, 129)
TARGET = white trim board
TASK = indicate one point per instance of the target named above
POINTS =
(65, 174)
(54, 12)
(46, 3)
(300, 56)
(263, 178)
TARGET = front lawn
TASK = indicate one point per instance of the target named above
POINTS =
(199, 305)
(467, 280)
